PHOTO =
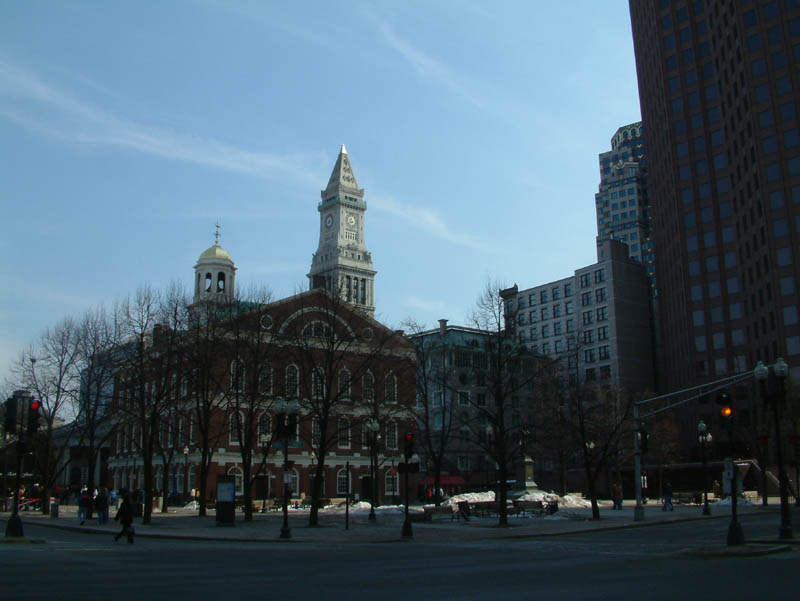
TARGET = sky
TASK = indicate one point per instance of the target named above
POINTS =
(129, 129)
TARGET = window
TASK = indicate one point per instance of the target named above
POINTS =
(586, 299)
(603, 352)
(602, 314)
(342, 483)
(391, 389)
(265, 380)
(237, 480)
(588, 336)
(568, 289)
(317, 383)
(391, 436)
(556, 311)
(599, 276)
(316, 432)
(543, 296)
(463, 398)
(344, 384)
(700, 344)
(545, 331)
(292, 381)
(587, 317)
(344, 433)
(555, 293)
(590, 374)
(368, 387)
(600, 295)
(235, 427)
(237, 375)
(568, 310)
(391, 483)
(586, 280)
(588, 356)
(570, 325)
(545, 313)
(602, 333)
(698, 318)
(264, 427)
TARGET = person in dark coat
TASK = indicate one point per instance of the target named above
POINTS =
(101, 505)
(125, 517)
(83, 505)
(667, 496)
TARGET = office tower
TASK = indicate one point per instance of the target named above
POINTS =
(718, 86)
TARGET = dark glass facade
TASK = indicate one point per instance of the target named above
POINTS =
(719, 86)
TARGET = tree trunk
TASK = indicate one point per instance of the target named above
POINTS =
(313, 516)
(501, 496)
(248, 491)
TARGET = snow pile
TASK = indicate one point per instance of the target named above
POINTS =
(470, 497)
(740, 501)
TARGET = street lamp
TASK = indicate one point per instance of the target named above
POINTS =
(704, 438)
(264, 440)
(371, 426)
(286, 410)
(185, 473)
(772, 381)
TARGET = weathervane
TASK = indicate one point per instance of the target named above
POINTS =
(216, 235)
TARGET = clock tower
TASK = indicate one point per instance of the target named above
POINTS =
(342, 263)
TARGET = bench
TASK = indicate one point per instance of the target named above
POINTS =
(680, 498)
(486, 508)
(429, 512)
(537, 507)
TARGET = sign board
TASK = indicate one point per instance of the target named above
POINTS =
(726, 479)
(226, 491)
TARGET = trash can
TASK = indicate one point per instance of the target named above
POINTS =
(53, 507)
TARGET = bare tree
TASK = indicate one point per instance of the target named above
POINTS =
(50, 370)
(100, 353)
(436, 405)
(339, 356)
(501, 427)
(250, 395)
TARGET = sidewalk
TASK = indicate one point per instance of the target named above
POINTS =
(185, 524)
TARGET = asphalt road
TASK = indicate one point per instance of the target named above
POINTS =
(641, 563)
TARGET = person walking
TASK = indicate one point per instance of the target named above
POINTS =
(83, 505)
(125, 518)
(101, 505)
(667, 496)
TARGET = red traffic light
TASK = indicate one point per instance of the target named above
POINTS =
(409, 437)
(726, 412)
(35, 405)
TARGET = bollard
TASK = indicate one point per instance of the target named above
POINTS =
(53, 507)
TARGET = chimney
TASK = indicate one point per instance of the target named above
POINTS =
(442, 326)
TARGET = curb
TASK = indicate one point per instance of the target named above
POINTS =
(745, 550)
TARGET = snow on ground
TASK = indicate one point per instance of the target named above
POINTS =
(567, 501)
(740, 501)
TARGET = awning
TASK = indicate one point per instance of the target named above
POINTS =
(444, 481)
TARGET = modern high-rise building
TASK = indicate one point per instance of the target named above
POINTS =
(621, 202)
(719, 93)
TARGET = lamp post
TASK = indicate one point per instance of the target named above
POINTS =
(772, 381)
(264, 440)
(286, 411)
(704, 438)
(371, 426)
(185, 474)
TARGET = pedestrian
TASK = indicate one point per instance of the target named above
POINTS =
(716, 490)
(667, 496)
(101, 504)
(83, 505)
(125, 518)
(616, 493)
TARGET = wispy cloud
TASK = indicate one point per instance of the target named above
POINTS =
(32, 103)
(426, 66)
(427, 220)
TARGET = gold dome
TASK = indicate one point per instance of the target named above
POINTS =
(216, 252)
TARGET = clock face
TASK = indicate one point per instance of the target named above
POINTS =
(351, 220)
(329, 221)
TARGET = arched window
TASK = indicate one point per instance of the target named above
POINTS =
(221, 282)
(265, 380)
(293, 482)
(209, 281)
(391, 389)
(344, 384)
(391, 483)
(391, 436)
(318, 383)
(264, 428)
(316, 432)
(344, 433)
(236, 424)
(185, 386)
(342, 482)
(292, 381)
(316, 329)
(237, 479)
(237, 375)
(368, 387)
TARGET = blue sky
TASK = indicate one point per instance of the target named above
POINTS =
(127, 129)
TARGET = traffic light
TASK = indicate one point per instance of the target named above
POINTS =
(409, 445)
(644, 436)
(11, 416)
(33, 416)
(726, 409)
